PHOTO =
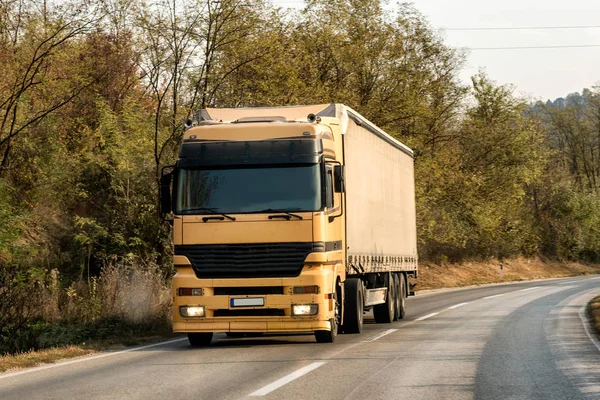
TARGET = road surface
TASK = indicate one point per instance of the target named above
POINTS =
(515, 341)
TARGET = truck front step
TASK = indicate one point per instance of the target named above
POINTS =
(375, 296)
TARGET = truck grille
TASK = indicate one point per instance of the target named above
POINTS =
(241, 291)
(257, 260)
(262, 312)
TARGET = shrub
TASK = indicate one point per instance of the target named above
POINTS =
(127, 300)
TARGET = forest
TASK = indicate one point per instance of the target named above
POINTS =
(93, 99)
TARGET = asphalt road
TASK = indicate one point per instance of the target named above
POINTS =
(516, 341)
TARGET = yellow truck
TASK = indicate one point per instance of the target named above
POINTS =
(289, 220)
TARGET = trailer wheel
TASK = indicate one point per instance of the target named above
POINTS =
(384, 313)
(200, 339)
(353, 306)
(397, 297)
(402, 296)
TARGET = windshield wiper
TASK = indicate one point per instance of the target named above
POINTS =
(287, 214)
(211, 210)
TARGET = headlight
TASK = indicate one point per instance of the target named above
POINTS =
(305, 309)
(191, 312)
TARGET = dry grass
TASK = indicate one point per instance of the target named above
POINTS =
(133, 293)
(594, 311)
(33, 358)
(434, 276)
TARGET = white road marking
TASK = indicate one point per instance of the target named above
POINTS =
(494, 295)
(457, 305)
(529, 288)
(424, 317)
(591, 279)
(286, 379)
(78, 360)
(382, 334)
(566, 283)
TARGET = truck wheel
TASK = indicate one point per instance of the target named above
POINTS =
(384, 313)
(329, 336)
(402, 297)
(200, 339)
(397, 297)
(353, 306)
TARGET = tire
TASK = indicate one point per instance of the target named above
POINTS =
(384, 313)
(397, 296)
(353, 306)
(329, 336)
(402, 297)
(200, 339)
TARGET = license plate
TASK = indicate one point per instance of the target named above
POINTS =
(251, 302)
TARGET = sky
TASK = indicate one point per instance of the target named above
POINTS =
(538, 74)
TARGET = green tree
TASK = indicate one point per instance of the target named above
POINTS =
(479, 206)
(36, 53)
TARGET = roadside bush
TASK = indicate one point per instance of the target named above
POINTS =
(132, 293)
(24, 294)
(126, 301)
(571, 225)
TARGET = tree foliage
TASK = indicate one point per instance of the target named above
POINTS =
(477, 207)
(566, 197)
(94, 95)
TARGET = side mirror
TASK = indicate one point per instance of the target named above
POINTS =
(165, 191)
(338, 179)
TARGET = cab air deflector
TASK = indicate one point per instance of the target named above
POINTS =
(196, 154)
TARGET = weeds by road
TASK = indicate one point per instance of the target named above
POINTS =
(33, 357)
(125, 303)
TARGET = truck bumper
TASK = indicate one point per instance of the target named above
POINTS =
(252, 326)
(220, 315)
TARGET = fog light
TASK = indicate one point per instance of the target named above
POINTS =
(306, 289)
(305, 309)
(191, 312)
(190, 292)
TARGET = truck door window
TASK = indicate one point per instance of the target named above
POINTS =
(329, 188)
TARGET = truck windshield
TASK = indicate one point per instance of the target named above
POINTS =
(249, 190)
